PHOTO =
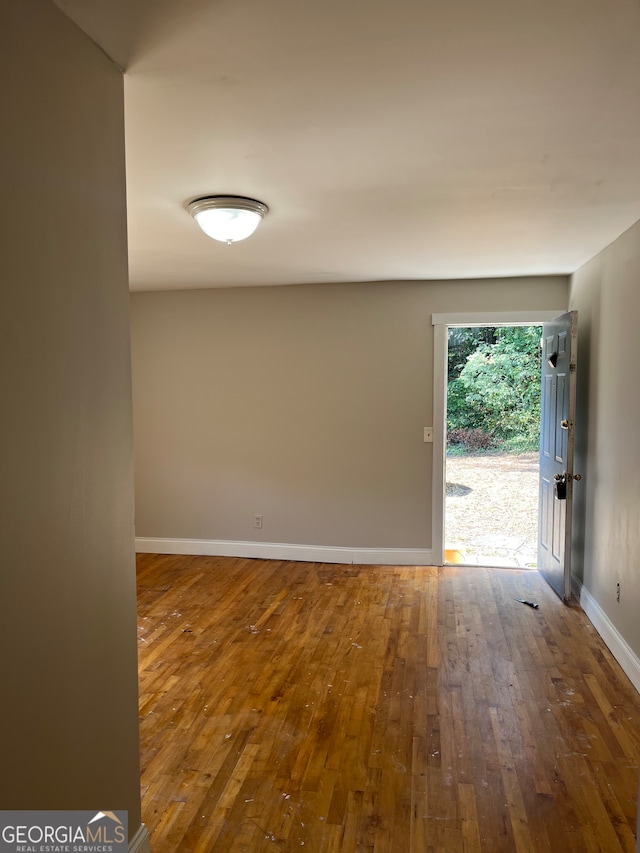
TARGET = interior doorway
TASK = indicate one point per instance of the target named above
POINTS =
(492, 429)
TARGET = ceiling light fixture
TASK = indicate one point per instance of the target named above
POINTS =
(227, 218)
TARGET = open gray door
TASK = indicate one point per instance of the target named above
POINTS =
(558, 406)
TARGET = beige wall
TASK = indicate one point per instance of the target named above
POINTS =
(69, 734)
(606, 293)
(304, 404)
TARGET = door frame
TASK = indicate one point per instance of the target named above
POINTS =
(441, 323)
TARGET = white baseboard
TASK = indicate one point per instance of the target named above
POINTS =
(613, 639)
(140, 841)
(285, 551)
(576, 587)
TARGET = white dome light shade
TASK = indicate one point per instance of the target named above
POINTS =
(227, 218)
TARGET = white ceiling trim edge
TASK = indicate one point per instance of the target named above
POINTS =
(495, 318)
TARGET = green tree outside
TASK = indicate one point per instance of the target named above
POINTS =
(494, 387)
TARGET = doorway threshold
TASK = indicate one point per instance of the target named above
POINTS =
(460, 556)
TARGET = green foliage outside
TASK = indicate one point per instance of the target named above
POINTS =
(494, 388)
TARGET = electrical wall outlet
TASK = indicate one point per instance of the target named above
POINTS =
(257, 521)
(428, 434)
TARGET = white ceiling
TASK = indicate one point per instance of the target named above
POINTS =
(413, 139)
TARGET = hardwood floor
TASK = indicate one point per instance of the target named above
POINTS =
(361, 708)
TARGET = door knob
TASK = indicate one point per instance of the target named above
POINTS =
(577, 476)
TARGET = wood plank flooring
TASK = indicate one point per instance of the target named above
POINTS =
(288, 706)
